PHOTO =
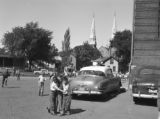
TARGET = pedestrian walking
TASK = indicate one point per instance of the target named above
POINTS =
(41, 81)
(14, 71)
(52, 109)
(66, 103)
(18, 74)
(5, 77)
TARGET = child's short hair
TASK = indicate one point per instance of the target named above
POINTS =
(65, 79)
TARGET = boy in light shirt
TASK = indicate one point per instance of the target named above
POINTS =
(66, 97)
(52, 109)
(41, 81)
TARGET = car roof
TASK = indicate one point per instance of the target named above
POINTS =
(95, 68)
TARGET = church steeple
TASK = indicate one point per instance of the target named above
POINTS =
(92, 37)
(114, 27)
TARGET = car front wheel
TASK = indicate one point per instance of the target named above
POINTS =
(36, 73)
(75, 96)
(135, 100)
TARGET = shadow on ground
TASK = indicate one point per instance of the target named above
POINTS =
(147, 102)
(99, 98)
(12, 87)
(45, 94)
(76, 111)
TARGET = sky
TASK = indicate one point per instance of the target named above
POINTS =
(58, 15)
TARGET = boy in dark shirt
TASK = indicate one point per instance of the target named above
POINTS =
(5, 76)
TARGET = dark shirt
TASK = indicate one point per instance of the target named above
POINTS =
(6, 74)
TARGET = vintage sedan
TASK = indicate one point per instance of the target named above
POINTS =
(145, 81)
(95, 80)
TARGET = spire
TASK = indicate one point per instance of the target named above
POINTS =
(92, 37)
(114, 27)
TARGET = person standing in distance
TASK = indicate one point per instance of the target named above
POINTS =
(5, 76)
(41, 81)
(18, 74)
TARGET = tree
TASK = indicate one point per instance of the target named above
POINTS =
(31, 41)
(85, 54)
(53, 52)
(66, 50)
(122, 43)
(66, 42)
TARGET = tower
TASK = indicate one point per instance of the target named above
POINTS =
(114, 27)
(92, 37)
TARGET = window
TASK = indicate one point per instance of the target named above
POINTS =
(91, 72)
(109, 73)
(114, 68)
(111, 61)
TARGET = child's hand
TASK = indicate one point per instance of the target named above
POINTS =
(64, 92)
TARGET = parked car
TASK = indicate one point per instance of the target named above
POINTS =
(145, 81)
(45, 71)
(95, 80)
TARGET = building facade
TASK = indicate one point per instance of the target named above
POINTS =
(113, 64)
(108, 62)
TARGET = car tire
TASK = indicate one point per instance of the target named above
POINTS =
(119, 87)
(103, 96)
(74, 95)
(36, 73)
(135, 100)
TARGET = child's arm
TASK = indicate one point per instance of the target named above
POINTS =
(56, 87)
(65, 89)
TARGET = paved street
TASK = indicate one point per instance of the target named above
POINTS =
(20, 100)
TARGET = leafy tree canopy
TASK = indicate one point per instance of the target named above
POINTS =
(66, 41)
(122, 43)
(85, 54)
(30, 41)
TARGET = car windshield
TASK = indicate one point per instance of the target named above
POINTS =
(91, 72)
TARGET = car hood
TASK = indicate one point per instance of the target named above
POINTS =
(87, 80)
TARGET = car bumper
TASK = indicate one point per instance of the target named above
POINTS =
(87, 92)
(152, 96)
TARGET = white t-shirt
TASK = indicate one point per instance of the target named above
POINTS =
(65, 88)
(53, 86)
(41, 79)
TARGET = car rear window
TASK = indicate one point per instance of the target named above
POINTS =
(91, 72)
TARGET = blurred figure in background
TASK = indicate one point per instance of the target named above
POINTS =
(6, 74)
(18, 74)
(41, 81)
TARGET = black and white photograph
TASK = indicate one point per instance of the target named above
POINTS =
(79, 59)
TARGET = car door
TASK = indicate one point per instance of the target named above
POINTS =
(116, 82)
(111, 80)
(106, 85)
